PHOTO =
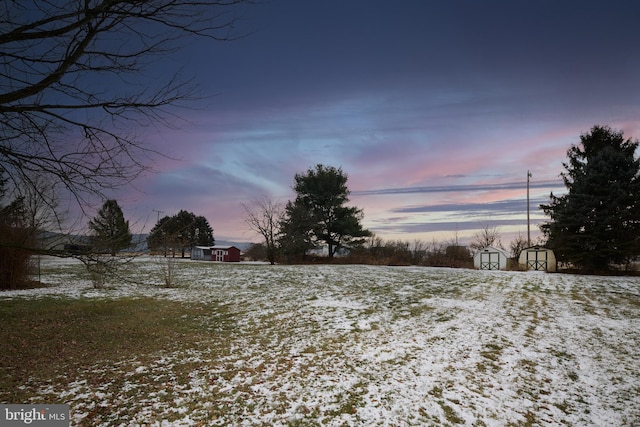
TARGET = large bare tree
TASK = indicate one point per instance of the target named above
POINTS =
(488, 236)
(77, 79)
(264, 217)
(519, 243)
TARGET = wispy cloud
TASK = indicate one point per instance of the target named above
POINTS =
(431, 227)
(460, 188)
(499, 207)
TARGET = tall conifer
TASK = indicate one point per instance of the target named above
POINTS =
(110, 231)
(597, 222)
(319, 213)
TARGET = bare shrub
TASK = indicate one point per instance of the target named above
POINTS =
(100, 267)
(168, 268)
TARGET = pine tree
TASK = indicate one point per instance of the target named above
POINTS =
(319, 210)
(296, 236)
(181, 231)
(110, 231)
(16, 239)
(597, 222)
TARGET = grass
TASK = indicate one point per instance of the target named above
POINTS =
(450, 414)
(56, 337)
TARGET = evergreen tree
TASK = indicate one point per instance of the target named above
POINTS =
(193, 231)
(598, 221)
(110, 231)
(319, 212)
(16, 241)
(296, 237)
(161, 238)
(181, 231)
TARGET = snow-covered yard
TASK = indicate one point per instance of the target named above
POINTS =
(370, 346)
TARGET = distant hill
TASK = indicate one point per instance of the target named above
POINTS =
(243, 246)
(139, 241)
(142, 245)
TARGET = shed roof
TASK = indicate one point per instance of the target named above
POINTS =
(493, 249)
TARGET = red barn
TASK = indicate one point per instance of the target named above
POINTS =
(225, 253)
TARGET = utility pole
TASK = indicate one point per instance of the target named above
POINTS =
(159, 212)
(528, 222)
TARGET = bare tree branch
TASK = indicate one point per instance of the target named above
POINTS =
(74, 84)
(488, 236)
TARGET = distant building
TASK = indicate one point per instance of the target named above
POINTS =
(323, 251)
(538, 258)
(225, 253)
(216, 253)
(490, 258)
(201, 253)
(60, 243)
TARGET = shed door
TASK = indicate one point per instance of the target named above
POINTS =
(489, 261)
(219, 255)
(537, 260)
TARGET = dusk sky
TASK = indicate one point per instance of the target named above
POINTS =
(434, 109)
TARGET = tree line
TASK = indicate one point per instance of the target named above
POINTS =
(319, 216)
(375, 250)
(109, 232)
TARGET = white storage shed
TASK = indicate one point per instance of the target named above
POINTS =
(201, 253)
(538, 258)
(491, 258)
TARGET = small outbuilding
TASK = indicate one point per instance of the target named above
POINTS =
(225, 253)
(490, 258)
(538, 258)
(216, 253)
